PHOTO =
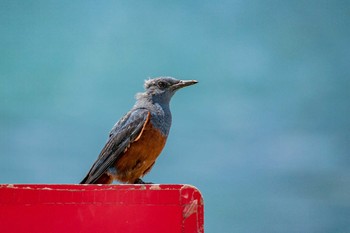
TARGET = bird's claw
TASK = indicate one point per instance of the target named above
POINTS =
(139, 181)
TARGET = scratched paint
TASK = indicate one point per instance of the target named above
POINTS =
(155, 187)
(190, 209)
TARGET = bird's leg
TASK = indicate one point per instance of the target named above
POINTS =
(139, 181)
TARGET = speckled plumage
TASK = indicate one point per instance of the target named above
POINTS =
(138, 138)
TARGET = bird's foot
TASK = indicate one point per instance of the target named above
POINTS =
(139, 181)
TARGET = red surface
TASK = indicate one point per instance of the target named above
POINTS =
(100, 208)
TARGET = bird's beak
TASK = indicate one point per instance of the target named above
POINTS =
(184, 83)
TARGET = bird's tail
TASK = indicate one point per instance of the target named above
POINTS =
(103, 179)
(84, 180)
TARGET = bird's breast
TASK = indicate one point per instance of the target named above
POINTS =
(161, 118)
(140, 156)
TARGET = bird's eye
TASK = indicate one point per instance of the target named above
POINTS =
(162, 84)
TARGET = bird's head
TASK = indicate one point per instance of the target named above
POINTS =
(163, 88)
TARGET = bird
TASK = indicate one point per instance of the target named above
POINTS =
(137, 139)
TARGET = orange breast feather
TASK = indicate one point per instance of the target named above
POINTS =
(139, 158)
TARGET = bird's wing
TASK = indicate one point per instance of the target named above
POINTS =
(124, 132)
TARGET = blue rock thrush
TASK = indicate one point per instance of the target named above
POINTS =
(137, 139)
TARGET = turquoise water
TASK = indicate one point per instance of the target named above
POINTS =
(265, 135)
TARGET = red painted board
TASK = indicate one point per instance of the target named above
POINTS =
(100, 208)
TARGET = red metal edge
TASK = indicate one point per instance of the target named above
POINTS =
(91, 208)
(193, 209)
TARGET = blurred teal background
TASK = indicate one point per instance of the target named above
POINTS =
(265, 135)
